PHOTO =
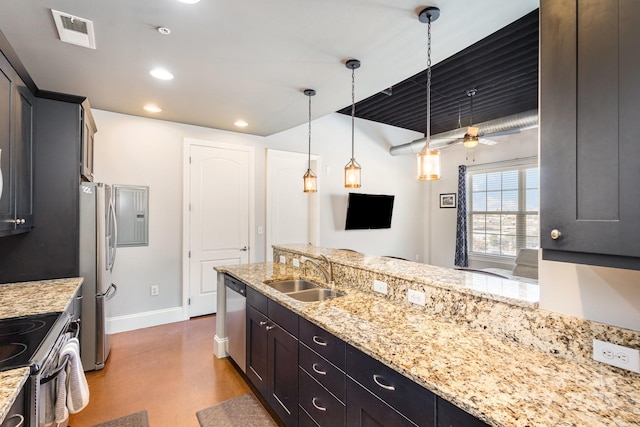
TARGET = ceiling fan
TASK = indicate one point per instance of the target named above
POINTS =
(473, 137)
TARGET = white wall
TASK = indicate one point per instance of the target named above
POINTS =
(606, 295)
(381, 174)
(141, 151)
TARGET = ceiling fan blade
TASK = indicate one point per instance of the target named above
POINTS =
(487, 141)
(502, 133)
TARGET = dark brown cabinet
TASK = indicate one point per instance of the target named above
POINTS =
(16, 157)
(589, 153)
(272, 354)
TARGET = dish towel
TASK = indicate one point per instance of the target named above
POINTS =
(73, 390)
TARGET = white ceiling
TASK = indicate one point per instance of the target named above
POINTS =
(242, 59)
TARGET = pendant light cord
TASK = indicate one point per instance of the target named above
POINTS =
(309, 132)
(353, 109)
(428, 81)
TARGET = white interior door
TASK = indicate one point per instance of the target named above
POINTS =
(219, 218)
(292, 215)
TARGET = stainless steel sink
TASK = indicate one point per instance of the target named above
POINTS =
(313, 295)
(303, 290)
(287, 286)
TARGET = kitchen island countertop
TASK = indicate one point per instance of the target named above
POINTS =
(24, 299)
(498, 381)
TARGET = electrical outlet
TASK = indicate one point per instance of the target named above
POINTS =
(617, 355)
(283, 259)
(296, 262)
(380, 286)
(416, 297)
(154, 290)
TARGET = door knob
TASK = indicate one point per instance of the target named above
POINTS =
(244, 249)
(555, 234)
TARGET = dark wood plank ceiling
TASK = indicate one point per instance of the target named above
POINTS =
(503, 67)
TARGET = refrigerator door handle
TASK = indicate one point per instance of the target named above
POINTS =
(107, 295)
(113, 240)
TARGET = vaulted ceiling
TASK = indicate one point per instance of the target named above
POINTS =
(502, 67)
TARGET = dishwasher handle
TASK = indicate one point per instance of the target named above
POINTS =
(235, 285)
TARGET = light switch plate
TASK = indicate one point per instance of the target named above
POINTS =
(617, 355)
(283, 259)
(380, 286)
(296, 262)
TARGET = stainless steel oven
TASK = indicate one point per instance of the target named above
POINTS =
(35, 341)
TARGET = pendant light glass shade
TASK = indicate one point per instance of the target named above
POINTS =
(428, 165)
(310, 184)
(352, 171)
(428, 159)
(352, 174)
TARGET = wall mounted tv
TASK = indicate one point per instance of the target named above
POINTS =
(369, 211)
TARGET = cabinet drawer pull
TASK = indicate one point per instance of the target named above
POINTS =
(319, 341)
(317, 371)
(555, 234)
(268, 328)
(263, 323)
(18, 417)
(384, 386)
(319, 408)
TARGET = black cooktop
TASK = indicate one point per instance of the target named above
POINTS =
(21, 337)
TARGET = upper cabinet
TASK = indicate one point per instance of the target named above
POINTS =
(16, 155)
(589, 127)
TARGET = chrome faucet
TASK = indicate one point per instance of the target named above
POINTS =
(327, 272)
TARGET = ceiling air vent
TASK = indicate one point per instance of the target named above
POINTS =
(74, 30)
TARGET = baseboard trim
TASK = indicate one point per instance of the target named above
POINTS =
(146, 319)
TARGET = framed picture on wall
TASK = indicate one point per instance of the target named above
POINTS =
(448, 200)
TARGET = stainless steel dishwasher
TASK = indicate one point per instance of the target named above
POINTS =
(236, 320)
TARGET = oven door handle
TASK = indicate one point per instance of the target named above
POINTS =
(75, 332)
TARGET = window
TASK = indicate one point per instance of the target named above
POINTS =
(503, 210)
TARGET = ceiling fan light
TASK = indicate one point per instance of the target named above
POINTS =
(352, 173)
(470, 141)
(428, 165)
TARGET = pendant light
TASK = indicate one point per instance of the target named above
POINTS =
(352, 170)
(428, 159)
(471, 137)
(309, 178)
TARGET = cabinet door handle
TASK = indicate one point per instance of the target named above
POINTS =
(20, 419)
(319, 341)
(384, 386)
(318, 407)
(317, 371)
(263, 323)
(268, 328)
(555, 234)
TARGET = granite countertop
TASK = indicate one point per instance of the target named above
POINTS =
(501, 382)
(23, 299)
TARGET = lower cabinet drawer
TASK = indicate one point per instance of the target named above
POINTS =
(322, 371)
(305, 420)
(366, 410)
(412, 400)
(322, 406)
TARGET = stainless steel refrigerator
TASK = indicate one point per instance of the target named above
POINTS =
(98, 236)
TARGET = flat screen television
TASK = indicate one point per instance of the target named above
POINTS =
(369, 211)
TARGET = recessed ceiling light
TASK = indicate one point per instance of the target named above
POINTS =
(164, 31)
(241, 123)
(152, 108)
(161, 73)
(189, 1)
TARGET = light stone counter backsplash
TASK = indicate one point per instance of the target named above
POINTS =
(503, 307)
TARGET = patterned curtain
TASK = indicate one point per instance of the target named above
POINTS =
(462, 251)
